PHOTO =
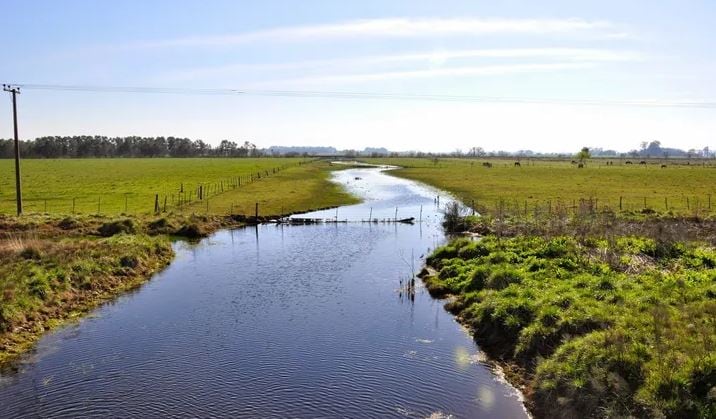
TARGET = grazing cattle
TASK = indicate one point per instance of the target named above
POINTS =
(517, 164)
(574, 162)
(663, 166)
(487, 164)
(580, 166)
(642, 162)
(628, 162)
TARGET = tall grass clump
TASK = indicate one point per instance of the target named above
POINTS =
(599, 326)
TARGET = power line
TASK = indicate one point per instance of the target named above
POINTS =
(368, 95)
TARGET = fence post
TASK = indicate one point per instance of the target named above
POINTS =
(165, 203)
(156, 203)
(257, 212)
(620, 203)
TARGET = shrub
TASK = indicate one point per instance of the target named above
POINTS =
(31, 252)
(129, 261)
(160, 226)
(557, 247)
(473, 250)
(68, 223)
(191, 231)
(111, 228)
(478, 278)
(502, 277)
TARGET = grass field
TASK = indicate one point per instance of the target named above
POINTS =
(681, 188)
(114, 186)
(56, 265)
(618, 327)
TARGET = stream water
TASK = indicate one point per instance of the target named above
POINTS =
(276, 321)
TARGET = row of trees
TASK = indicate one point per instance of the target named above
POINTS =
(100, 146)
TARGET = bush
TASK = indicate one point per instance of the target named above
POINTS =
(129, 261)
(68, 223)
(31, 252)
(478, 279)
(111, 228)
(501, 278)
(160, 226)
(191, 231)
(473, 250)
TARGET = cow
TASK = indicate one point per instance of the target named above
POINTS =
(487, 164)
(517, 164)
(580, 166)
(643, 162)
(628, 162)
(663, 166)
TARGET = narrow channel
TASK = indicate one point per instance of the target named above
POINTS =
(276, 321)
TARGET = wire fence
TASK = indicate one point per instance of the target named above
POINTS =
(183, 197)
(697, 205)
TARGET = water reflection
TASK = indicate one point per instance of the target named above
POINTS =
(276, 321)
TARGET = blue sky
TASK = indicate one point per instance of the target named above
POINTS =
(554, 52)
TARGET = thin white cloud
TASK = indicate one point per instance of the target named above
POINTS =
(387, 28)
(433, 58)
(487, 70)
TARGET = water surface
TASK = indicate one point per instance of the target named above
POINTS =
(276, 321)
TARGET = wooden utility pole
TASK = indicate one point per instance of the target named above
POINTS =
(18, 189)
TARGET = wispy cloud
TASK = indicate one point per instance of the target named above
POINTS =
(388, 28)
(485, 70)
(433, 58)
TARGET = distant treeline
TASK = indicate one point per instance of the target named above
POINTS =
(100, 146)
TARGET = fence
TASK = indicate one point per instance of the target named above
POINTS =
(183, 197)
(677, 205)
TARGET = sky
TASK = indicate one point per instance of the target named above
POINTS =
(545, 75)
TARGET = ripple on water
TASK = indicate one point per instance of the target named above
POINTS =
(273, 321)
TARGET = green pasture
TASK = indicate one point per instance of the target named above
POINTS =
(682, 187)
(132, 186)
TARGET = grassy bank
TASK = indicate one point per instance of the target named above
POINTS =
(537, 185)
(114, 186)
(56, 266)
(598, 316)
(45, 281)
